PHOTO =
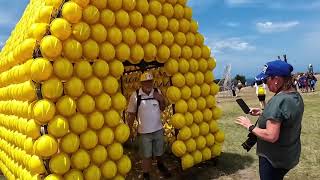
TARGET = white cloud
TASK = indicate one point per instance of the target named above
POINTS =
(233, 44)
(270, 27)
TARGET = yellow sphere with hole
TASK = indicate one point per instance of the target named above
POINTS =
(199, 78)
(72, 49)
(98, 33)
(178, 121)
(163, 23)
(81, 31)
(181, 106)
(32, 129)
(142, 35)
(206, 52)
(175, 51)
(128, 5)
(129, 36)
(167, 38)
(180, 38)
(41, 69)
(60, 28)
(173, 25)
(185, 93)
(122, 19)
(211, 101)
(108, 169)
(52, 88)
(204, 128)
(199, 40)
(123, 52)
(155, 8)
(173, 94)
(112, 118)
(124, 165)
(58, 126)
(70, 143)
(107, 18)
(201, 142)
(150, 22)
(184, 25)
(167, 10)
(122, 133)
(136, 19)
(211, 63)
(51, 46)
(189, 118)
(190, 79)
(96, 120)
(103, 102)
(78, 123)
(178, 11)
(62, 68)
(187, 161)
(93, 86)
(116, 68)
(142, 6)
(110, 85)
(195, 91)
(150, 52)
(91, 14)
(198, 116)
(210, 139)
(98, 154)
(86, 104)
(219, 136)
(179, 148)
(80, 159)
(195, 130)
(178, 80)
(88, 139)
(163, 53)
(190, 39)
(74, 87)
(114, 35)
(201, 103)
(207, 115)
(46, 146)
(197, 156)
(137, 54)
(83, 69)
(106, 136)
(206, 154)
(107, 51)
(208, 77)
(115, 151)
(43, 111)
(183, 66)
(100, 68)
(186, 52)
(60, 163)
(119, 102)
(216, 113)
(171, 66)
(184, 133)
(100, 4)
(205, 90)
(66, 106)
(35, 165)
(213, 126)
(92, 172)
(73, 174)
(72, 12)
(90, 49)
(115, 5)
(216, 150)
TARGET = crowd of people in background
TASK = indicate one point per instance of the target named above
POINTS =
(306, 82)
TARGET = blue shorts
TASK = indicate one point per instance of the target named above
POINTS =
(151, 144)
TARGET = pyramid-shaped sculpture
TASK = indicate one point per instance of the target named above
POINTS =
(60, 99)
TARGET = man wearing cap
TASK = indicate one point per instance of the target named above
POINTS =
(279, 126)
(146, 105)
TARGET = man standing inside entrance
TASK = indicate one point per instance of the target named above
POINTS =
(146, 105)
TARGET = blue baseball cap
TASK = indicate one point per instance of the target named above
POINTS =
(275, 68)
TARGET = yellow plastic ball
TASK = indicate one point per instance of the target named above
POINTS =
(88, 139)
(211, 101)
(186, 52)
(62, 68)
(142, 35)
(114, 35)
(38, 30)
(204, 128)
(70, 143)
(108, 169)
(196, 53)
(201, 142)
(219, 136)
(90, 49)
(173, 94)
(199, 78)
(46, 146)
(150, 22)
(103, 102)
(122, 52)
(52, 88)
(209, 139)
(119, 102)
(116, 68)
(206, 154)
(115, 151)
(195, 91)
(216, 113)
(191, 145)
(178, 121)
(110, 85)
(178, 11)
(43, 111)
(106, 136)
(66, 106)
(122, 133)
(80, 159)
(81, 31)
(173, 25)
(181, 106)
(100, 68)
(171, 66)
(211, 63)
(194, 65)
(156, 37)
(51, 46)
(60, 163)
(112, 118)
(167, 38)
(155, 8)
(107, 51)
(197, 156)
(142, 6)
(190, 39)
(58, 126)
(187, 12)
(96, 120)
(198, 116)
(201, 103)
(213, 125)
(41, 69)
(72, 12)
(206, 52)
(107, 18)
(78, 123)
(83, 69)
(82, 3)
(179, 148)
(115, 5)
(163, 23)
(86, 104)
(35, 165)
(124, 165)
(183, 66)
(93, 86)
(184, 133)
(137, 54)
(178, 80)
(72, 49)
(208, 77)
(175, 51)
(100, 4)
(150, 52)
(129, 36)
(98, 33)
(184, 25)
(199, 40)
(92, 172)
(189, 118)
(190, 79)
(128, 5)
(74, 87)
(163, 53)
(73, 174)
(122, 19)
(60, 28)
(32, 129)
(136, 19)
(91, 14)
(187, 161)
(185, 93)
(207, 115)
(180, 38)
(98, 154)
(216, 150)
(53, 177)
(167, 10)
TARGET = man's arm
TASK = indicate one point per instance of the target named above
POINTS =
(162, 101)
(131, 118)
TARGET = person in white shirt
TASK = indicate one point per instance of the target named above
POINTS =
(146, 105)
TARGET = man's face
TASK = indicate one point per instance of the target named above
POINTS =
(147, 86)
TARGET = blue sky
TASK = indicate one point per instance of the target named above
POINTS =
(243, 33)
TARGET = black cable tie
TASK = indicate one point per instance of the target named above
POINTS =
(38, 91)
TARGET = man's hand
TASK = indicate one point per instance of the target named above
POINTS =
(243, 121)
(158, 96)
(255, 111)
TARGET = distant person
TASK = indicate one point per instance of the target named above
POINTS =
(233, 89)
(239, 85)
(278, 127)
(313, 83)
(261, 93)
